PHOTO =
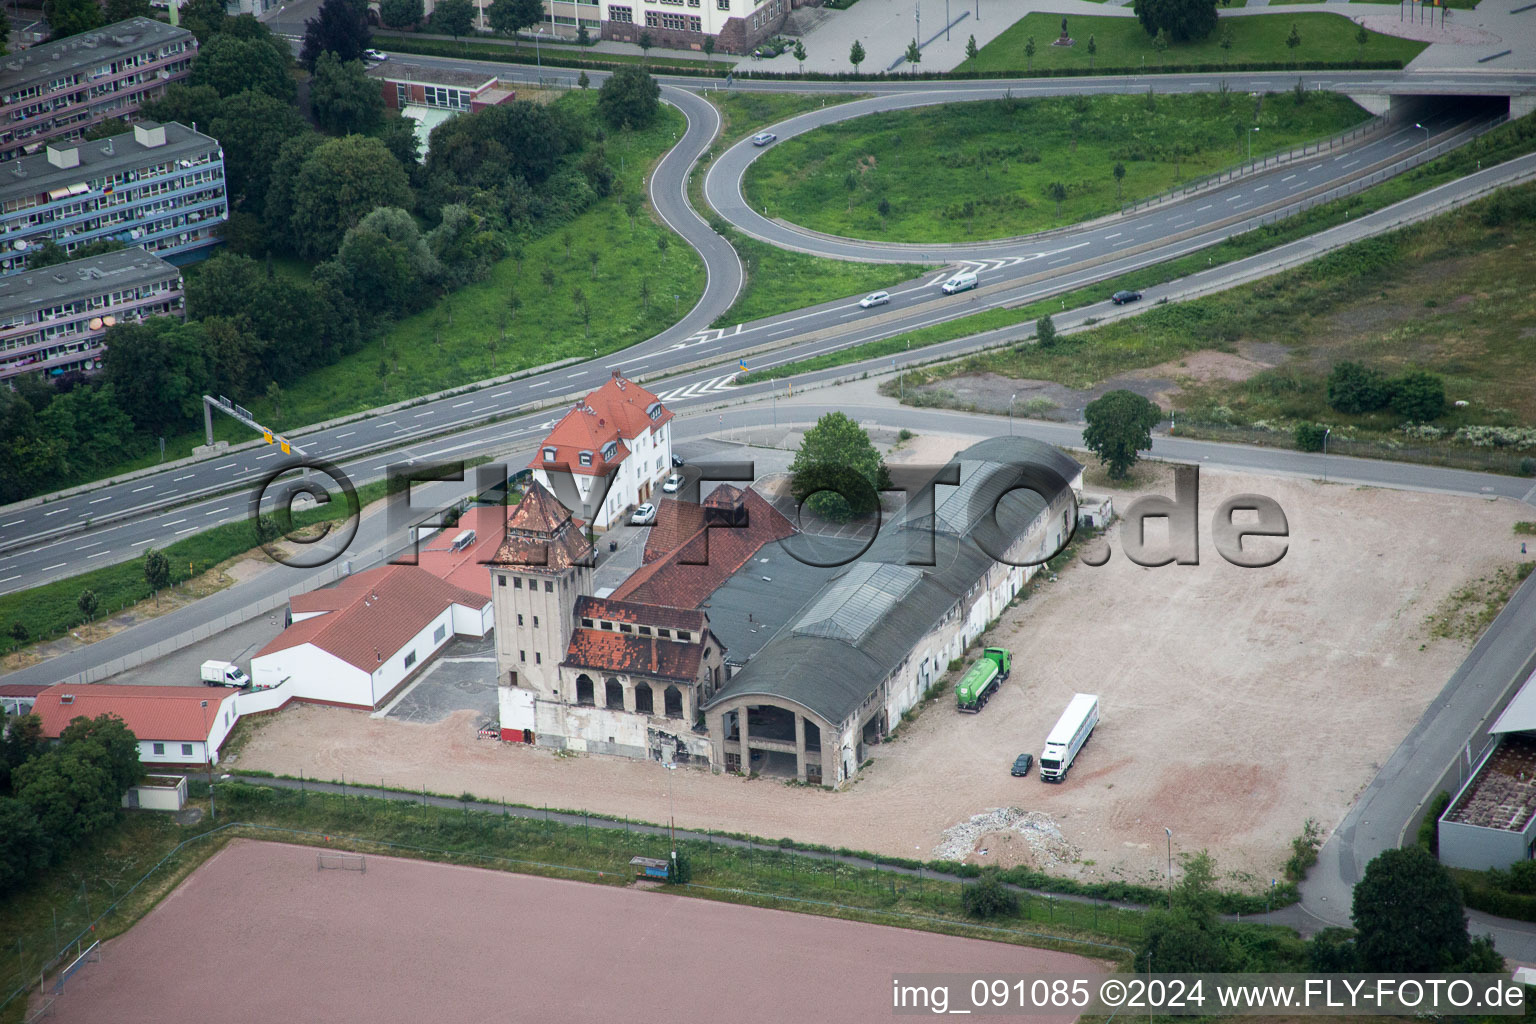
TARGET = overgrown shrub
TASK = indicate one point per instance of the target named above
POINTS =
(1309, 436)
(987, 897)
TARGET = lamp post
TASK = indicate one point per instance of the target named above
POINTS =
(671, 818)
(1170, 881)
(1421, 128)
(946, 21)
(538, 59)
(1011, 399)
(213, 810)
(1250, 144)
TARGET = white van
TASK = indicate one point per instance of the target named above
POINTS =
(962, 281)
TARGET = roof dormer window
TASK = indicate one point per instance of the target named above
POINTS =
(549, 455)
(654, 410)
(610, 450)
(585, 458)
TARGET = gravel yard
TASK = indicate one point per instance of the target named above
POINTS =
(1236, 704)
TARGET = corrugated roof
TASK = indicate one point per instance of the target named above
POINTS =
(860, 625)
(158, 713)
(370, 616)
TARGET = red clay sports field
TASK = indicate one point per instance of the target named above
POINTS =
(259, 935)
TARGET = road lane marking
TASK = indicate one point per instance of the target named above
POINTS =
(136, 490)
(226, 465)
(136, 543)
(1350, 164)
(1115, 235)
(461, 405)
(1261, 188)
(1288, 177)
(173, 522)
(52, 567)
(187, 530)
(540, 384)
(419, 415)
(9, 578)
(57, 511)
(98, 501)
(98, 554)
(266, 456)
(217, 511)
(92, 544)
(9, 525)
(179, 479)
(347, 434)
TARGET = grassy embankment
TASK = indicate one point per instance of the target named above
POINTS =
(1122, 43)
(985, 169)
(1503, 143)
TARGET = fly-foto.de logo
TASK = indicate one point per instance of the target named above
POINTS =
(1261, 517)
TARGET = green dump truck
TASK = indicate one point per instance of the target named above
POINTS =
(982, 679)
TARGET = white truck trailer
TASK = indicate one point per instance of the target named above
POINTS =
(1068, 736)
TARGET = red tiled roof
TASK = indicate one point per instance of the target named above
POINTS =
(150, 712)
(634, 612)
(22, 689)
(606, 651)
(370, 616)
(676, 523)
(617, 411)
(698, 564)
(469, 568)
(542, 536)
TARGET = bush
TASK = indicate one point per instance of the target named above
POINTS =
(1418, 397)
(680, 868)
(987, 897)
(1309, 436)
(1353, 388)
(1304, 851)
(1429, 832)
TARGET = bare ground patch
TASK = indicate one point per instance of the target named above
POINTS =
(1236, 703)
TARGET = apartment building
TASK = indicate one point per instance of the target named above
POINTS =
(53, 320)
(159, 187)
(54, 91)
(737, 25)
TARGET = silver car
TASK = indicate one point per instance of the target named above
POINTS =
(874, 299)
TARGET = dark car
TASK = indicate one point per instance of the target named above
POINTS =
(1120, 298)
(677, 460)
(1022, 764)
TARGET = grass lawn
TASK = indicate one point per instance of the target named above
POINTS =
(1506, 141)
(779, 280)
(1449, 296)
(978, 170)
(1123, 43)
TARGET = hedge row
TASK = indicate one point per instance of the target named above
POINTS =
(491, 51)
(1514, 905)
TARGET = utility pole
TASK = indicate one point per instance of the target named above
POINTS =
(213, 811)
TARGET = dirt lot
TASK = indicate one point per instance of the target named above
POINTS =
(1236, 704)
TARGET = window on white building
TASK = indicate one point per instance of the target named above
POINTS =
(439, 633)
(186, 750)
(621, 15)
(410, 659)
(160, 748)
(722, 5)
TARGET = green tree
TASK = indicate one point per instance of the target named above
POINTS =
(584, 38)
(1408, 914)
(1185, 20)
(1029, 53)
(204, 18)
(402, 13)
(21, 739)
(1294, 39)
(630, 96)
(988, 897)
(388, 263)
(510, 17)
(1057, 193)
(1332, 951)
(1362, 37)
(87, 603)
(1309, 437)
(71, 17)
(344, 99)
(914, 55)
(1226, 39)
(1045, 332)
(110, 743)
(158, 372)
(339, 184)
(645, 43)
(971, 49)
(856, 55)
(157, 570)
(51, 253)
(837, 471)
(122, 10)
(1119, 173)
(709, 48)
(233, 65)
(1418, 397)
(1160, 43)
(23, 844)
(583, 82)
(340, 27)
(633, 203)
(455, 17)
(1354, 388)
(20, 633)
(680, 868)
(252, 126)
(1120, 425)
(185, 104)
(1093, 49)
(800, 55)
(107, 128)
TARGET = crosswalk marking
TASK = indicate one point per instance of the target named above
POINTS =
(699, 389)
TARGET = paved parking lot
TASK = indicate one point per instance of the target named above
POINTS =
(461, 677)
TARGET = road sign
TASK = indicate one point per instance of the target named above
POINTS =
(266, 435)
(286, 449)
(743, 364)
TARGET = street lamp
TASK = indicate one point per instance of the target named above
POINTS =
(671, 818)
(1170, 874)
(1011, 399)
(1422, 129)
(1250, 144)
(213, 810)
(538, 60)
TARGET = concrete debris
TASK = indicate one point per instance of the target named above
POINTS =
(1050, 847)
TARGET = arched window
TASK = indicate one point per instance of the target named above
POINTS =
(644, 701)
(584, 690)
(673, 702)
(615, 694)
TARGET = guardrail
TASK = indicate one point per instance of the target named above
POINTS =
(1267, 162)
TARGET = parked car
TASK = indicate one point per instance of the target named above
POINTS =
(644, 515)
(1123, 296)
(375, 56)
(874, 299)
(763, 138)
(1022, 764)
(673, 484)
(962, 281)
(677, 461)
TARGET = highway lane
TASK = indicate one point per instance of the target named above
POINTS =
(803, 334)
(81, 516)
